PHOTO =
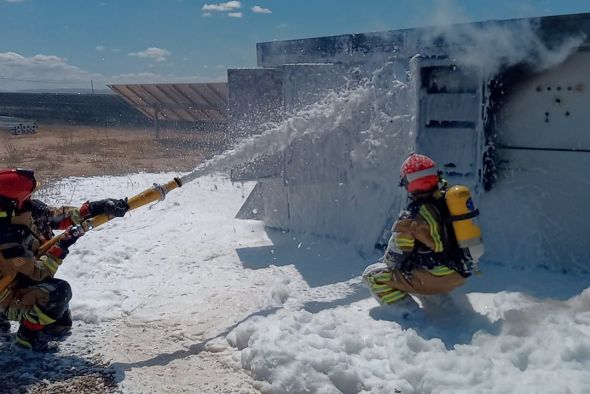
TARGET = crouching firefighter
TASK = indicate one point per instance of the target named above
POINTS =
(35, 298)
(425, 254)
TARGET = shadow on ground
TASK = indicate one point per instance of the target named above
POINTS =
(320, 261)
(196, 348)
(357, 292)
(538, 282)
(450, 318)
(24, 372)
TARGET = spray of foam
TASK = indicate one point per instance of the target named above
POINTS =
(388, 128)
(369, 100)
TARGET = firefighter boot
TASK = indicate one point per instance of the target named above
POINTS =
(61, 328)
(30, 338)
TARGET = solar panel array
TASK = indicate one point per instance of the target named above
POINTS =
(189, 102)
(70, 107)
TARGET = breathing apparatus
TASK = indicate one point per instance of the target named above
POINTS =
(420, 176)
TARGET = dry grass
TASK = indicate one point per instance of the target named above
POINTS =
(59, 151)
(11, 153)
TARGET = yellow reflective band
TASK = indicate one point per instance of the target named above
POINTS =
(3, 294)
(380, 288)
(22, 342)
(3, 214)
(433, 225)
(36, 315)
(14, 314)
(51, 263)
(75, 216)
(381, 276)
(441, 270)
(378, 285)
(404, 241)
(393, 297)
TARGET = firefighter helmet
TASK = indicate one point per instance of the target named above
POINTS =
(17, 184)
(419, 174)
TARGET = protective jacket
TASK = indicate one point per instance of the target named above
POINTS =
(22, 232)
(422, 238)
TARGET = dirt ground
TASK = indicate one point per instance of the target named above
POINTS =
(57, 151)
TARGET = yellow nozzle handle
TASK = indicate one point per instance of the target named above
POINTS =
(154, 193)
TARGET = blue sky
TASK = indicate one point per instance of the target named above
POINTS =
(67, 43)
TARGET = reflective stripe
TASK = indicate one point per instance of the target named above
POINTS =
(3, 214)
(380, 288)
(441, 270)
(380, 276)
(36, 315)
(394, 296)
(51, 263)
(48, 287)
(23, 343)
(433, 225)
(404, 241)
(14, 314)
(3, 294)
(422, 173)
(75, 216)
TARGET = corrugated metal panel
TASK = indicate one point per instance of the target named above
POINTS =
(190, 102)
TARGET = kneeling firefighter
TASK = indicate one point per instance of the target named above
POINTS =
(34, 298)
(434, 243)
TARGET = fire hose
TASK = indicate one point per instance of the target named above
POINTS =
(153, 194)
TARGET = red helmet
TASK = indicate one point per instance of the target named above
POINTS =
(419, 174)
(17, 184)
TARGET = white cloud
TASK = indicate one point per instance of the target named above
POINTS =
(206, 14)
(39, 67)
(18, 72)
(260, 10)
(99, 48)
(223, 7)
(157, 54)
(41, 71)
(15, 1)
(235, 14)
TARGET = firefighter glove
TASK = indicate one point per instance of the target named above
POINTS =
(70, 236)
(109, 206)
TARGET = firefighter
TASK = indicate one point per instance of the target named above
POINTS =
(35, 298)
(422, 256)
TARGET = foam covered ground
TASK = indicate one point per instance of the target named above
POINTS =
(183, 297)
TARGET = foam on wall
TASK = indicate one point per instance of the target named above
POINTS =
(337, 159)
